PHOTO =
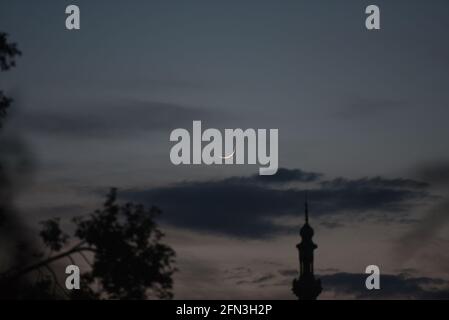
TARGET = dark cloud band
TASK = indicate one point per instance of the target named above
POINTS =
(246, 206)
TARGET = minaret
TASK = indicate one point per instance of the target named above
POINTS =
(306, 287)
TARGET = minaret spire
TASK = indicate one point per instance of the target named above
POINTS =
(306, 207)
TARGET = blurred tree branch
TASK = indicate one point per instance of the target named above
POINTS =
(8, 53)
(129, 261)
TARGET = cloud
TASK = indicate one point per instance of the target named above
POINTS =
(246, 206)
(398, 286)
(342, 285)
(367, 194)
(436, 173)
(434, 219)
(282, 176)
(117, 119)
(376, 182)
(331, 224)
(221, 206)
(258, 280)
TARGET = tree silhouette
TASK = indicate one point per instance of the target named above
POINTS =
(14, 165)
(122, 246)
(8, 53)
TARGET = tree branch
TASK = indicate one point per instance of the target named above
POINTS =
(85, 258)
(22, 272)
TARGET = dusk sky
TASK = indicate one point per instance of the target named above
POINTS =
(362, 118)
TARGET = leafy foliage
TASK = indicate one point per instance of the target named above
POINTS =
(121, 243)
(129, 260)
(8, 52)
(52, 235)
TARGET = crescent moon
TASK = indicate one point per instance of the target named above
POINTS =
(228, 157)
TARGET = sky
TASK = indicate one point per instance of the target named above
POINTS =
(362, 118)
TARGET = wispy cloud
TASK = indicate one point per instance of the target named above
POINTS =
(117, 119)
(398, 286)
(433, 220)
(246, 206)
